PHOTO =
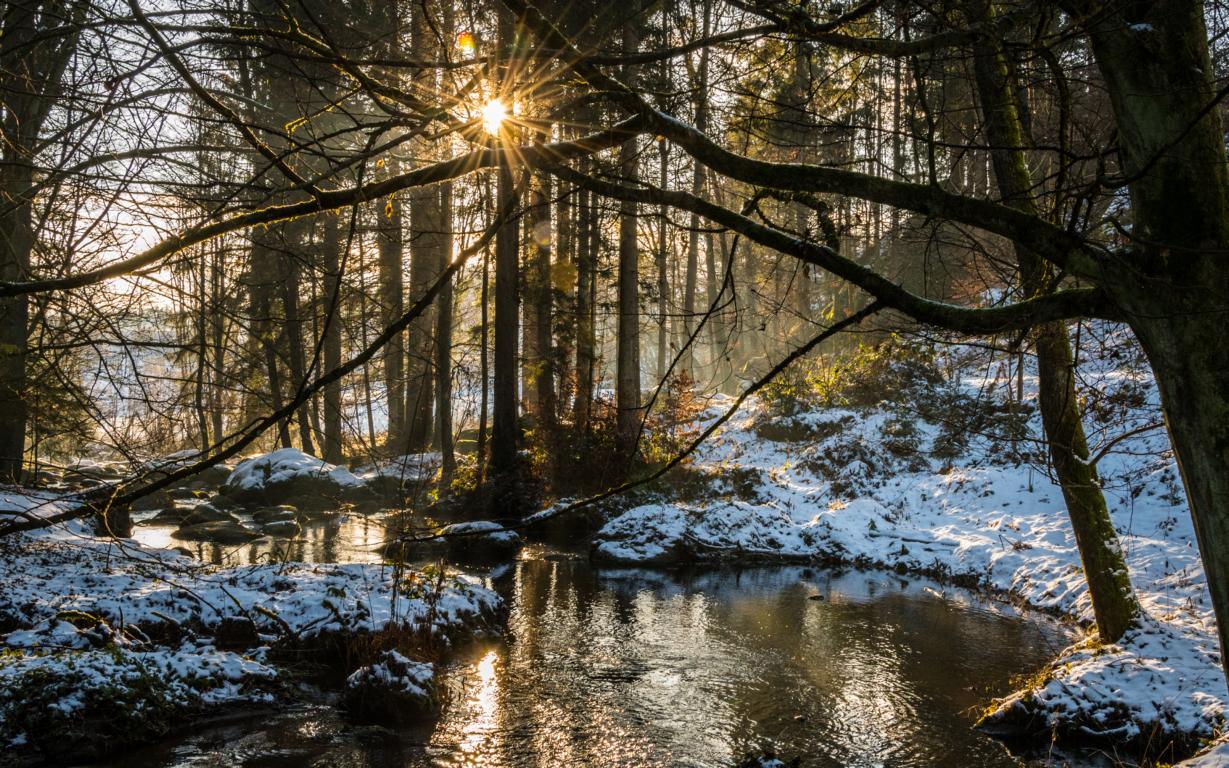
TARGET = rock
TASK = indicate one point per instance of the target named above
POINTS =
(222, 502)
(392, 478)
(45, 477)
(187, 493)
(207, 513)
(221, 532)
(210, 477)
(291, 476)
(394, 690)
(282, 528)
(151, 501)
(172, 515)
(278, 514)
(481, 541)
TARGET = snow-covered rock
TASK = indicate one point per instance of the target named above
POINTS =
(291, 476)
(394, 689)
(391, 477)
(106, 628)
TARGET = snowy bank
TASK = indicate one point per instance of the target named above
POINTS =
(884, 486)
(93, 626)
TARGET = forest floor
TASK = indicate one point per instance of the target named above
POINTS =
(924, 480)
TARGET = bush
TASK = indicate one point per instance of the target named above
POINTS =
(897, 370)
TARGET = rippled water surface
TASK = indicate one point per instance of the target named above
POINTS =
(638, 667)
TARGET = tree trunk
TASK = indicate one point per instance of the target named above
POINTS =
(663, 274)
(443, 340)
(36, 43)
(538, 361)
(1175, 292)
(424, 223)
(16, 242)
(291, 240)
(261, 304)
(391, 296)
(1109, 583)
(504, 429)
(586, 269)
(627, 379)
(330, 246)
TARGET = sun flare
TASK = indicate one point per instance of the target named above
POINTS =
(493, 115)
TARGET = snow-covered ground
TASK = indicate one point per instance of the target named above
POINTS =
(881, 486)
(92, 624)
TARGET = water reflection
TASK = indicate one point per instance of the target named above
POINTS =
(634, 668)
(352, 538)
(645, 668)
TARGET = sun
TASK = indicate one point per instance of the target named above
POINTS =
(493, 115)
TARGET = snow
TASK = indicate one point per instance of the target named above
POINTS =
(85, 610)
(485, 529)
(410, 468)
(396, 672)
(831, 487)
(285, 465)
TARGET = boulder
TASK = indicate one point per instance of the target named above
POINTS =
(393, 478)
(220, 532)
(224, 503)
(282, 528)
(152, 501)
(280, 513)
(480, 541)
(293, 477)
(471, 542)
(210, 477)
(207, 513)
(394, 690)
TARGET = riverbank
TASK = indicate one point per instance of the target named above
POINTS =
(888, 485)
(107, 643)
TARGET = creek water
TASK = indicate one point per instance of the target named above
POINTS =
(638, 667)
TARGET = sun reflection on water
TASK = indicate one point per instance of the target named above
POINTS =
(483, 703)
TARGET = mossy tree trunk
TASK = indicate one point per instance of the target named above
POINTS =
(1105, 569)
(1173, 284)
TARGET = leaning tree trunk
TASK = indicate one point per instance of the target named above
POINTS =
(1175, 289)
(1109, 583)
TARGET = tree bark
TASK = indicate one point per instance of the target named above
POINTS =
(1105, 568)
(504, 429)
(443, 341)
(627, 378)
(1175, 291)
(36, 41)
(331, 246)
(586, 270)
(392, 304)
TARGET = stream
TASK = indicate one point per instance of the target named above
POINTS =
(639, 667)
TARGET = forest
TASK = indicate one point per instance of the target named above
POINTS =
(747, 383)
